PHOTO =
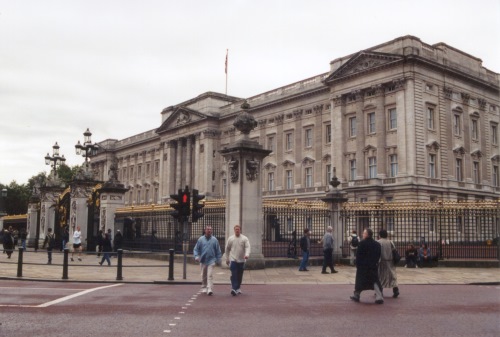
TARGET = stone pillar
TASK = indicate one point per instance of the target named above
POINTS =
(188, 161)
(244, 195)
(32, 221)
(79, 214)
(178, 165)
(112, 196)
(334, 198)
(48, 202)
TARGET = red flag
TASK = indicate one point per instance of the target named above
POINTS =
(227, 52)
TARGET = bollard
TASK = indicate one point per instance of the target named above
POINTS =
(20, 263)
(171, 265)
(65, 264)
(119, 276)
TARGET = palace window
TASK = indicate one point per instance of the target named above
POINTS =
(430, 118)
(432, 166)
(393, 164)
(139, 171)
(308, 138)
(328, 134)
(474, 129)
(393, 119)
(146, 196)
(157, 168)
(270, 143)
(475, 172)
(224, 187)
(270, 181)
(494, 133)
(372, 167)
(328, 171)
(155, 196)
(148, 169)
(138, 200)
(288, 141)
(289, 179)
(352, 169)
(458, 169)
(457, 124)
(371, 122)
(496, 176)
(352, 127)
(309, 177)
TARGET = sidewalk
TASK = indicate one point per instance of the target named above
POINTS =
(145, 270)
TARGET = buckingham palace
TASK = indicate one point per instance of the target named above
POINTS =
(400, 121)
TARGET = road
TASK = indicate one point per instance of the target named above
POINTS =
(106, 309)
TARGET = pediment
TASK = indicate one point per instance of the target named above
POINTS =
(459, 150)
(308, 161)
(362, 62)
(288, 163)
(181, 116)
(269, 166)
(476, 153)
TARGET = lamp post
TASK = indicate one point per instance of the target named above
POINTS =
(87, 149)
(55, 160)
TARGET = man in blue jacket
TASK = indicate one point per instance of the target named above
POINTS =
(207, 252)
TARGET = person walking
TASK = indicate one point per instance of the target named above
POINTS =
(8, 242)
(49, 242)
(367, 259)
(327, 242)
(386, 268)
(207, 252)
(353, 241)
(99, 242)
(305, 245)
(23, 236)
(77, 243)
(237, 252)
(118, 241)
(65, 237)
(106, 249)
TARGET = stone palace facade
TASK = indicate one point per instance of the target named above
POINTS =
(401, 121)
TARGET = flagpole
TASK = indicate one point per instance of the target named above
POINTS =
(227, 53)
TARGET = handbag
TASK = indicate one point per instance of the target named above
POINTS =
(395, 254)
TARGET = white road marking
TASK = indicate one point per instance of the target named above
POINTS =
(66, 298)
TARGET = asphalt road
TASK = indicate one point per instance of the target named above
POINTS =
(90, 309)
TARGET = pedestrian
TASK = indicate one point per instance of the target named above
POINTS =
(327, 242)
(118, 241)
(386, 268)
(353, 241)
(207, 252)
(99, 242)
(65, 237)
(23, 237)
(77, 243)
(106, 249)
(237, 253)
(367, 259)
(8, 242)
(49, 242)
(305, 245)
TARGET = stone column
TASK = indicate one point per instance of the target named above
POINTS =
(178, 165)
(112, 196)
(48, 202)
(244, 197)
(79, 215)
(188, 161)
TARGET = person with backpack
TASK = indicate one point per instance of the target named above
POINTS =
(49, 242)
(353, 244)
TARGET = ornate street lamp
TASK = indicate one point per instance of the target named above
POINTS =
(55, 160)
(87, 149)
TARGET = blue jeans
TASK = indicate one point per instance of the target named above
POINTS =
(305, 259)
(236, 274)
(105, 256)
(23, 244)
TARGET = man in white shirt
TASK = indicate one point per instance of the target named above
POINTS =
(237, 252)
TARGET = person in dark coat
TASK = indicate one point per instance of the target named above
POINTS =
(367, 260)
(8, 242)
(99, 241)
(305, 245)
(118, 241)
(106, 249)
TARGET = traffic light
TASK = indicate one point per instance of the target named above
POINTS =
(197, 207)
(182, 207)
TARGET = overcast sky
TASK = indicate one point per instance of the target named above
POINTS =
(112, 66)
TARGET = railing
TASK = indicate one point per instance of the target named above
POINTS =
(119, 254)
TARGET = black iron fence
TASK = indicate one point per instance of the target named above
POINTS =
(452, 230)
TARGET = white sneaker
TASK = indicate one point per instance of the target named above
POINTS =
(209, 292)
(204, 290)
(238, 291)
(234, 292)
